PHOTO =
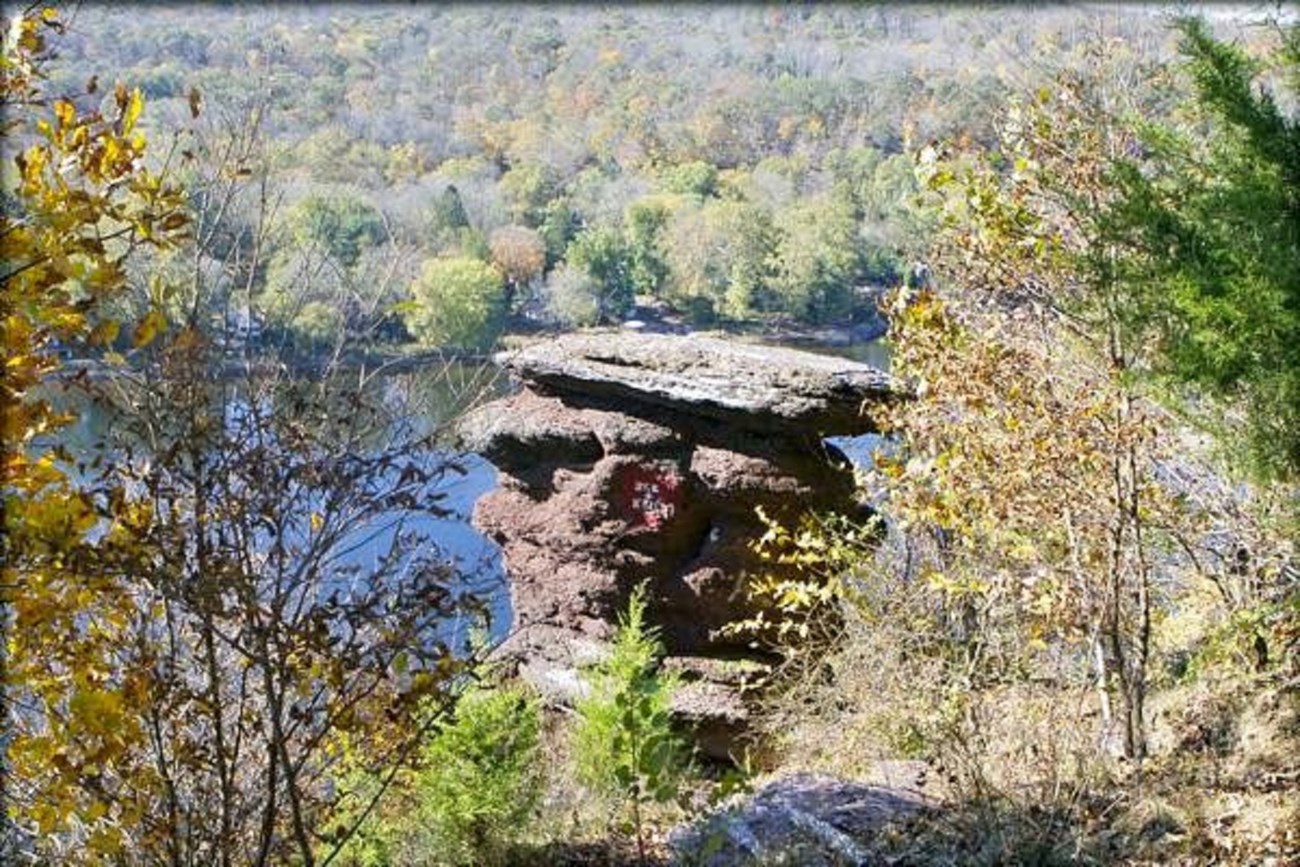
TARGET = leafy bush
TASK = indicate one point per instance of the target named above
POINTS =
(479, 787)
(603, 254)
(816, 566)
(471, 797)
(573, 296)
(456, 302)
(625, 745)
(341, 224)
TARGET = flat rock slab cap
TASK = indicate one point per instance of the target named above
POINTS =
(772, 389)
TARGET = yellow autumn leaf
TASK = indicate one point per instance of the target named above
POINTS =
(105, 840)
(111, 154)
(131, 114)
(105, 332)
(47, 818)
(96, 711)
(150, 327)
(65, 113)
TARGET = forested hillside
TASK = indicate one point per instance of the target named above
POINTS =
(740, 164)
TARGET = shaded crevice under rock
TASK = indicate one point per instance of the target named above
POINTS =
(631, 458)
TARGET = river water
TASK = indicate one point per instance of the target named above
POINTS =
(417, 402)
(422, 400)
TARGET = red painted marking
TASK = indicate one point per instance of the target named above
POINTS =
(649, 495)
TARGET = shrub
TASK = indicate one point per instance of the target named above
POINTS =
(625, 745)
(456, 302)
(479, 785)
(573, 296)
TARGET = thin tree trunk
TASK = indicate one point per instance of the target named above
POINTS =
(271, 808)
(295, 803)
(7, 842)
(203, 558)
(1142, 591)
(226, 843)
(1095, 616)
(278, 745)
(1114, 619)
(169, 786)
(1102, 674)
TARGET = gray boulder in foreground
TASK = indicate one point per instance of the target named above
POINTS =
(767, 388)
(809, 820)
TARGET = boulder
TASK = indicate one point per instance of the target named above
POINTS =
(813, 820)
(528, 430)
(716, 717)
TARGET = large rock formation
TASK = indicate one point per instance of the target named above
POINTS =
(642, 457)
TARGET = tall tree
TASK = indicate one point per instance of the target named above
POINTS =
(602, 252)
(818, 262)
(1035, 359)
(343, 225)
(290, 602)
(456, 302)
(520, 254)
(1212, 215)
(1093, 249)
(194, 634)
(718, 257)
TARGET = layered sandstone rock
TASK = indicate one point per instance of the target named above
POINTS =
(630, 458)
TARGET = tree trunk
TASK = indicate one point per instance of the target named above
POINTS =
(1136, 698)
(7, 841)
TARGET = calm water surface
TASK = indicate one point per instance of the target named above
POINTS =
(420, 401)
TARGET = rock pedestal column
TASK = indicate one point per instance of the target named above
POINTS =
(642, 458)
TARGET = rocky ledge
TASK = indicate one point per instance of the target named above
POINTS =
(631, 458)
(747, 386)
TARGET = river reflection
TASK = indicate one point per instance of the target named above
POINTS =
(415, 404)
(874, 353)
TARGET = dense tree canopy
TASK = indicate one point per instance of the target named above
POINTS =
(456, 302)
(1218, 227)
(586, 126)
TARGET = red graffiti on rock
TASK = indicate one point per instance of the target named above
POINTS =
(650, 495)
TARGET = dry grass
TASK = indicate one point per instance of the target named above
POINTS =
(1015, 764)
